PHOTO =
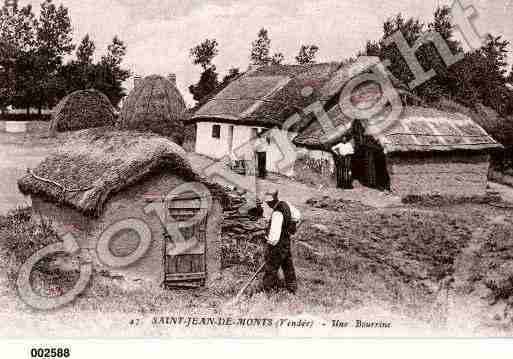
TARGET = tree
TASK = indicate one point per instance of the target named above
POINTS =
(277, 59)
(204, 53)
(18, 37)
(41, 78)
(206, 85)
(85, 50)
(7, 74)
(18, 29)
(261, 51)
(307, 54)
(109, 74)
(480, 77)
(106, 76)
(427, 54)
(54, 33)
(37, 68)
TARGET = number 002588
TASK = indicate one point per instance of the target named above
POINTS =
(49, 352)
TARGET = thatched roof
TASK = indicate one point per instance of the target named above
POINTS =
(315, 137)
(154, 105)
(94, 164)
(82, 109)
(501, 129)
(346, 73)
(268, 95)
(418, 129)
(421, 129)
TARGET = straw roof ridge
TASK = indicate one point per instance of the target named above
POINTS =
(93, 165)
(500, 128)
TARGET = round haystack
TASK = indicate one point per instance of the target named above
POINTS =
(155, 105)
(82, 109)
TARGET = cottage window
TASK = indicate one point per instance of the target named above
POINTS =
(216, 131)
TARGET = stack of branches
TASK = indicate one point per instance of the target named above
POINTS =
(242, 233)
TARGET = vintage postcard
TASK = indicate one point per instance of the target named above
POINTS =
(256, 169)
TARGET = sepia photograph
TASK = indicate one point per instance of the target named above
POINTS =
(255, 169)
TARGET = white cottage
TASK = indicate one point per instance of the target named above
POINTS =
(261, 99)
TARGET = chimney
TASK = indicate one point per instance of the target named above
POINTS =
(11, 5)
(137, 80)
(172, 78)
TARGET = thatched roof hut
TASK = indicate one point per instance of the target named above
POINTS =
(104, 184)
(425, 151)
(155, 105)
(82, 109)
(94, 164)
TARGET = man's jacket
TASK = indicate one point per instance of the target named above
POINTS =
(284, 220)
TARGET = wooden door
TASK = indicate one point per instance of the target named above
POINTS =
(261, 164)
(185, 254)
(371, 169)
(343, 172)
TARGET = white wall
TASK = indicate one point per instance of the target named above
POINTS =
(243, 145)
(209, 146)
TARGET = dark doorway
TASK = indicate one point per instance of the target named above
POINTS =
(344, 173)
(261, 158)
(382, 179)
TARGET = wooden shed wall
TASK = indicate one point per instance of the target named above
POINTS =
(444, 174)
(130, 203)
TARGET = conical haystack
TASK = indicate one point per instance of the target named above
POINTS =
(155, 105)
(82, 109)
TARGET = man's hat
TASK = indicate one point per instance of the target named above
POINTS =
(270, 195)
(273, 193)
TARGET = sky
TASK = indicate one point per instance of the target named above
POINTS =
(159, 33)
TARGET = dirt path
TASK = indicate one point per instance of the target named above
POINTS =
(298, 193)
(17, 153)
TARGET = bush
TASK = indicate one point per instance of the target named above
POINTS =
(314, 172)
(20, 237)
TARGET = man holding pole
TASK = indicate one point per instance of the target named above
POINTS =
(284, 222)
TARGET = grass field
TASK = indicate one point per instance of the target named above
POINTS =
(409, 265)
(431, 268)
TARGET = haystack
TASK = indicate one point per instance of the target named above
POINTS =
(155, 105)
(81, 110)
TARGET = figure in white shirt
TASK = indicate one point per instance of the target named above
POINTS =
(284, 221)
